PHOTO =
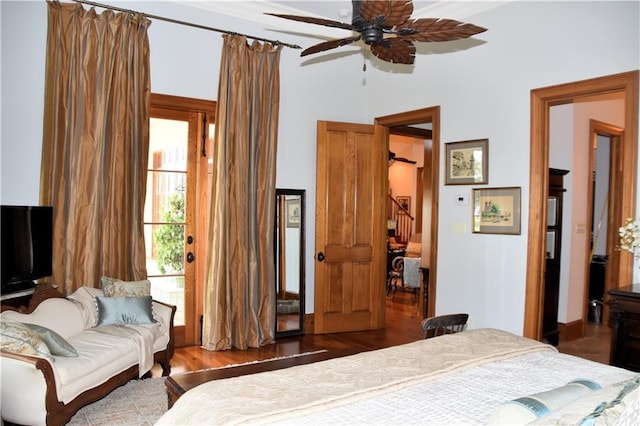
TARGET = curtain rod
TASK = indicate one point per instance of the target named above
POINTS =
(189, 24)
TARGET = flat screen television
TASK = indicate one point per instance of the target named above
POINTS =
(27, 240)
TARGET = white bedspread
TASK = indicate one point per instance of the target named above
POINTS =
(470, 396)
(393, 385)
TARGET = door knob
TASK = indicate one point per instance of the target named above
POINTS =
(190, 257)
(320, 257)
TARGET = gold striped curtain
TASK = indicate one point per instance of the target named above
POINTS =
(239, 300)
(95, 143)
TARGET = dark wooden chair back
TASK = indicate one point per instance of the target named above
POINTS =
(444, 324)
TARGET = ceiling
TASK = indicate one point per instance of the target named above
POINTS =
(336, 9)
(339, 10)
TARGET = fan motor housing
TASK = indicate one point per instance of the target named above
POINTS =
(371, 34)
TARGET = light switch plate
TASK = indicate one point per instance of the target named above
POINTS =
(462, 199)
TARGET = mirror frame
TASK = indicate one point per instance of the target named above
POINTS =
(301, 193)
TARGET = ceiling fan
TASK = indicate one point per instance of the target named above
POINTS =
(385, 25)
(392, 158)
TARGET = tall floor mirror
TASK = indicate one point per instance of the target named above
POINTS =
(289, 250)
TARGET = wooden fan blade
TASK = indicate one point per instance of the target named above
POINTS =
(392, 157)
(388, 13)
(395, 50)
(331, 44)
(433, 29)
(317, 21)
(405, 160)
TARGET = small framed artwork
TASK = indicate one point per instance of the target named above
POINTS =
(551, 244)
(496, 211)
(405, 203)
(467, 162)
(551, 211)
(293, 212)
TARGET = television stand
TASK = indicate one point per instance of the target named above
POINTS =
(17, 294)
(26, 301)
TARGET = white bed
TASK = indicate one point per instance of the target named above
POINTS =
(460, 379)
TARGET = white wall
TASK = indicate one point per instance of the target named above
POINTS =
(22, 85)
(483, 93)
(185, 61)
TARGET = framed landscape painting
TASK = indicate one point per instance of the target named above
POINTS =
(467, 162)
(496, 211)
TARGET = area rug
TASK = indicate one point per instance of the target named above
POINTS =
(138, 402)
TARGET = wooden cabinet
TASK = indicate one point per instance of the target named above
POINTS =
(550, 330)
(26, 301)
(624, 314)
(16, 300)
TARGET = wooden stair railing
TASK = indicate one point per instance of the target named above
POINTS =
(403, 218)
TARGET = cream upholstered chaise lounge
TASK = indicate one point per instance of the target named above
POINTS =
(84, 353)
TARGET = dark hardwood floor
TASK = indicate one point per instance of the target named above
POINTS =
(403, 326)
(595, 345)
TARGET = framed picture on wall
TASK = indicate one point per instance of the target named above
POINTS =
(496, 211)
(551, 244)
(293, 213)
(552, 203)
(467, 162)
(404, 204)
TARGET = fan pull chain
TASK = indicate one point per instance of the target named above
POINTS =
(364, 62)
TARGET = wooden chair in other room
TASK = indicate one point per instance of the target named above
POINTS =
(394, 278)
(444, 324)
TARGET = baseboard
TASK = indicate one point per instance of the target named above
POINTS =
(571, 331)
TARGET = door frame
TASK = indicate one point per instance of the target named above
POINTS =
(541, 101)
(431, 178)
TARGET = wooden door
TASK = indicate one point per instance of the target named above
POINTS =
(350, 228)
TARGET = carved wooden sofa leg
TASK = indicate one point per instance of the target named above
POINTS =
(166, 367)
